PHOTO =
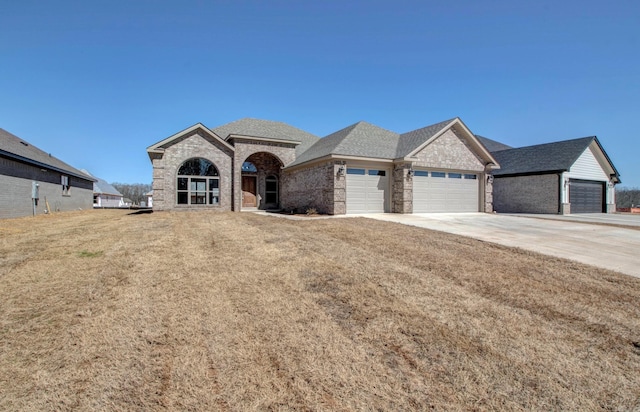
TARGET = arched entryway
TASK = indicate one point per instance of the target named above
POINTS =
(261, 182)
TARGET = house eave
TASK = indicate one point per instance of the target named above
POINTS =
(45, 166)
(232, 137)
(331, 157)
(541, 172)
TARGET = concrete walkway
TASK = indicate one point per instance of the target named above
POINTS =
(602, 245)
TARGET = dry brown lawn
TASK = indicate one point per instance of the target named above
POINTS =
(102, 310)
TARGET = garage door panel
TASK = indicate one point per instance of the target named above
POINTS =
(586, 196)
(367, 190)
(438, 192)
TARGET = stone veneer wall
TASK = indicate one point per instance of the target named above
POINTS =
(526, 194)
(166, 165)
(402, 189)
(488, 191)
(319, 186)
(449, 152)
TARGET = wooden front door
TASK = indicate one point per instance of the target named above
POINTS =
(249, 191)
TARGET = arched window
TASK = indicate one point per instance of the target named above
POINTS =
(198, 183)
(249, 167)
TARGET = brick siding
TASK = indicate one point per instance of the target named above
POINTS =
(526, 194)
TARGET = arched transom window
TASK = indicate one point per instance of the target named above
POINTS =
(198, 183)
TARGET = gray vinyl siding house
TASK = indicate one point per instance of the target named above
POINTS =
(259, 164)
(569, 176)
(60, 187)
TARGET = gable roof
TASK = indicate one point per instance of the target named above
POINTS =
(16, 148)
(361, 139)
(547, 158)
(257, 128)
(492, 145)
(410, 141)
(417, 140)
(160, 146)
(102, 186)
(364, 139)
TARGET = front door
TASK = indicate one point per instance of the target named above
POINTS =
(249, 191)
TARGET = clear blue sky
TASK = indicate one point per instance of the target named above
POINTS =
(97, 82)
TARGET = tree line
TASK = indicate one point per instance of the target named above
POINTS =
(133, 191)
(627, 197)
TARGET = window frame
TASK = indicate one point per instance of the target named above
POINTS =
(200, 189)
(66, 187)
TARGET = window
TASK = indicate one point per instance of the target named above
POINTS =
(377, 173)
(351, 171)
(271, 190)
(438, 174)
(455, 176)
(198, 183)
(472, 177)
(64, 181)
(421, 173)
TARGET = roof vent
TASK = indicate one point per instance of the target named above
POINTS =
(24, 143)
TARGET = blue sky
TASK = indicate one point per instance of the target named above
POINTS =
(97, 82)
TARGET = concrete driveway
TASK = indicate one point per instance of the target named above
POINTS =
(601, 244)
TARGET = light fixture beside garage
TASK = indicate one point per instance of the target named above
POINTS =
(410, 172)
(341, 170)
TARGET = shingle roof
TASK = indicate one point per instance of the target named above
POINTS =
(15, 147)
(102, 186)
(270, 129)
(549, 157)
(412, 140)
(492, 145)
(360, 139)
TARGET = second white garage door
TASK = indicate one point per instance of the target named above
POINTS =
(367, 190)
(437, 191)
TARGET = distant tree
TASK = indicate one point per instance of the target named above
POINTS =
(627, 197)
(134, 191)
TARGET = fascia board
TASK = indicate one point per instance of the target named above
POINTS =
(602, 158)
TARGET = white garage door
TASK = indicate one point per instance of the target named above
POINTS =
(436, 191)
(367, 190)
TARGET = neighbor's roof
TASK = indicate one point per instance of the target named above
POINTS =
(361, 139)
(549, 157)
(266, 128)
(16, 148)
(102, 186)
(492, 145)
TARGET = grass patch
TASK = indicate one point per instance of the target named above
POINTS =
(87, 254)
(235, 311)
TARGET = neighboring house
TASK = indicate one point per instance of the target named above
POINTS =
(570, 176)
(104, 194)
(149, 196)
(363, 168)
(27, 172)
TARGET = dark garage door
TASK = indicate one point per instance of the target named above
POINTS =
(586, 196)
